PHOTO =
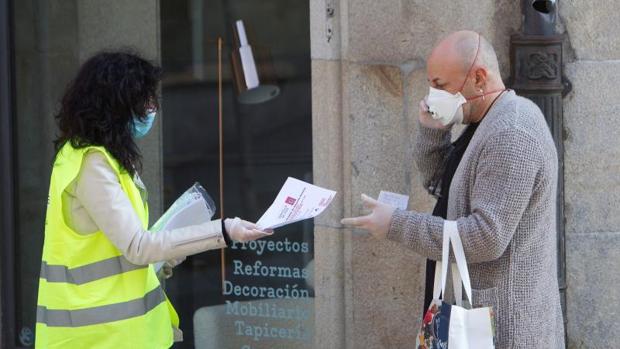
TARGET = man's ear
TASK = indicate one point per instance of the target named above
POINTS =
(481, 77)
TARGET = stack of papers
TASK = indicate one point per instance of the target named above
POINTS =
(194, 207)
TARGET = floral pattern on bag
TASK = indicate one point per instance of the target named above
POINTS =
(435, 325)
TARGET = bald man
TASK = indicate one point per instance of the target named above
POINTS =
(498, 181)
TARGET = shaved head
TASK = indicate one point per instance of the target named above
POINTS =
(468, 43)
(457, 52)
(465, 62)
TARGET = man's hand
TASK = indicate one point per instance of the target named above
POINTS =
(242, 231)
(377, 222)
(426, 119)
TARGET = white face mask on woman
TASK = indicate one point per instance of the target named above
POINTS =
(445, 106)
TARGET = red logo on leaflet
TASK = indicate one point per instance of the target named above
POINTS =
(290, 201)
(325, 202)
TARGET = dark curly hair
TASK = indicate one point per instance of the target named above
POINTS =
(99, 104)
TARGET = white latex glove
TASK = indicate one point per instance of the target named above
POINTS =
(166, 270)
(377, 222)
(174, 262)
(242, 231)
(426, 119)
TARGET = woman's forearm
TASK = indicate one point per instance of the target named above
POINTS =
(103, 198)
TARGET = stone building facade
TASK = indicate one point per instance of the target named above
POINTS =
(368, 74)
(368, 65)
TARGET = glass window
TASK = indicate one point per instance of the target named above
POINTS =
(258, 294)
(44, 61)
(254, 295)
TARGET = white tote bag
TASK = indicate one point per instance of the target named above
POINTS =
(447, 326)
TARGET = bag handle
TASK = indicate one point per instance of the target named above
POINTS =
(456, 282)
(457, 285)
(451, 237)
(441, 269)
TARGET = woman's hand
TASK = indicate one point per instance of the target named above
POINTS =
(242, 231)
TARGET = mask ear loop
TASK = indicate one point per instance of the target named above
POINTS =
(482, 94)
(472, 65)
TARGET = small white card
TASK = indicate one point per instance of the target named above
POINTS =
(399, 201)
(296, 201)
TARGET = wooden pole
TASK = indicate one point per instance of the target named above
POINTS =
(221, 147)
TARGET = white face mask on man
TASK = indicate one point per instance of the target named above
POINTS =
(445, 106)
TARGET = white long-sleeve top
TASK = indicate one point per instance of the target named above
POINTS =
(96, 201)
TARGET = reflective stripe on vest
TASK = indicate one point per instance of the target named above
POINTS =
(102, 314)
(89, 272)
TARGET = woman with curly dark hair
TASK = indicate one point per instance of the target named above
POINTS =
(97, 287)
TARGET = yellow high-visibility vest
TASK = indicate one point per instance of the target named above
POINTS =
(90, 296)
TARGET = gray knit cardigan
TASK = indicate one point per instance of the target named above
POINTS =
(503, 197)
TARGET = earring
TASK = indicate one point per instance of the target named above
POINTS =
(482, 93)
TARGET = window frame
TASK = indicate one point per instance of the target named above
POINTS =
(8, 195)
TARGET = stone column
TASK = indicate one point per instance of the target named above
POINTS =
(592, 172)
